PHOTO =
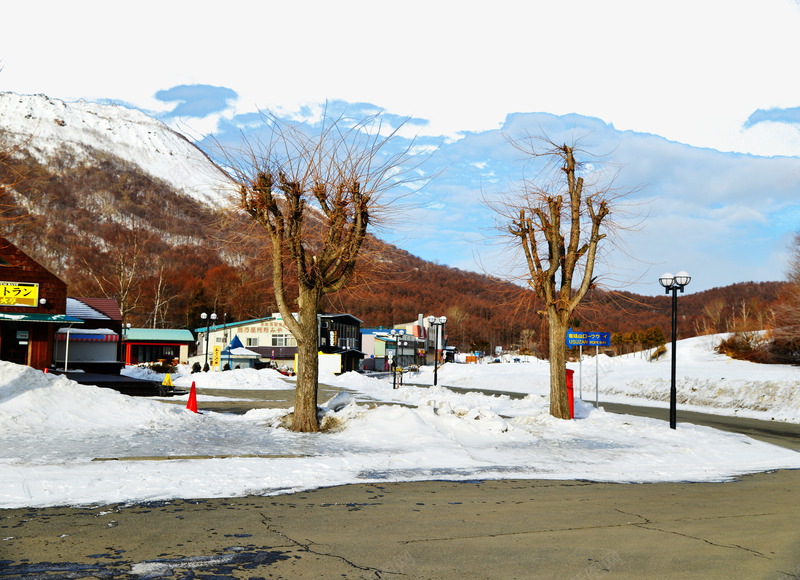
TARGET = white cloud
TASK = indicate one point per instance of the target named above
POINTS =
(689, 71)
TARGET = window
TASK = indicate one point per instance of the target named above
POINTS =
(252, 341)
(283, 340)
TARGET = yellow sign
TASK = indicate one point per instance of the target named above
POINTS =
(216, 356)
(19, 294)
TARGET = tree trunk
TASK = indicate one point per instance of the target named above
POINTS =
(305, 397)
(559, 401)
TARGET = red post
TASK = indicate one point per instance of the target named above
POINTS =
(570, 394)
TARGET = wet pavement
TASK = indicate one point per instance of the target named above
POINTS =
(749, 528)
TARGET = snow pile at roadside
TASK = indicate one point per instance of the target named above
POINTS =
(705, 380)
(241, 379)
(55, 430)
(34, 401)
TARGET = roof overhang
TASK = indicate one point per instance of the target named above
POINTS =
(35, 317)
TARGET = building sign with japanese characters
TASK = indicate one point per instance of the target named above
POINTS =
(19, 294)
(575, 338)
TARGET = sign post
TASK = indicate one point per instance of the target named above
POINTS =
(597, 339)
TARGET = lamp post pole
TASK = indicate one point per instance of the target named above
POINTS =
(401, 344)
(673, 284)
(393, 364)
(225, 336)
(208, 320)
(437, 323)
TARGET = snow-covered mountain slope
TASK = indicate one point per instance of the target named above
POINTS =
(47, 125)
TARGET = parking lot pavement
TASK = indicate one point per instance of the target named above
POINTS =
(749, 528)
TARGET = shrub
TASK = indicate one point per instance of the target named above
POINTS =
(163, 368)
(749, 346)
(658, 353)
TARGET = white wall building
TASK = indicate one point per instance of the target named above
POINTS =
(267, 336)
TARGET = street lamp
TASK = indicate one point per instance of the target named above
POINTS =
(436, 322)
(208, 320)
(396, 335)
(674, 283)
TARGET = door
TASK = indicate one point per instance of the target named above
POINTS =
(14, 342)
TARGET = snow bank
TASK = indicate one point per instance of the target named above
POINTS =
(237, 379)
(56, 431)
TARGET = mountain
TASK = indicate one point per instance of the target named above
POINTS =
(51, 129)
(119, 205)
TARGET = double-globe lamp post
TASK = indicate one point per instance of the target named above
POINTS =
(674, 283)
(398, 345)
(208, 320)
(437, 322)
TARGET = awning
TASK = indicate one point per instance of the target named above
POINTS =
(240, 352)
(33, 317)
(62, 336)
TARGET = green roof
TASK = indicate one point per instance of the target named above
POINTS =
(34, 317)
(158, 334)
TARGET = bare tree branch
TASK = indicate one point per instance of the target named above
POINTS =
(316, 194)
(558, 220)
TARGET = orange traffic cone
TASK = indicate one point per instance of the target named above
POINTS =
(192, 404)
(45, 370)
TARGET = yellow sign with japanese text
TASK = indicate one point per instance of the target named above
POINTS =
(19, 294)
(215, 358)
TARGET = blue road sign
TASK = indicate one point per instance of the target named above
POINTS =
(599, 338)
(575, 338)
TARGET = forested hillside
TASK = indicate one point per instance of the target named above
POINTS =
(109, 229)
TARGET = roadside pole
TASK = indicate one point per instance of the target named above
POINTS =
(596, 376)
(589, 338)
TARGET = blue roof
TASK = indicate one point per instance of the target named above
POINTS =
(376, 330)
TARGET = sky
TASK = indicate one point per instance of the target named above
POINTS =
(58, 433)
(706, 88)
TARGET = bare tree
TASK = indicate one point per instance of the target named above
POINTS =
(456, 316)
(713, 311)
(15, 190)
(118, 268)
(787, 330)
(163, 292)
(558, 221)
(316, 194)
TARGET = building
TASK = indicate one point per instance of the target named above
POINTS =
(236, 356)
(339, 334)
(156, 345)
(33, 305)
(373, 344)
(382, 345)
(269, 337)
(340, 341)
(95, 345)
(405, 344)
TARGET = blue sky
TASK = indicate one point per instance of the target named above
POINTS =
(696, 102)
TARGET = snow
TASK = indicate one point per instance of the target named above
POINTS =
(48, 124)
(68, 444)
